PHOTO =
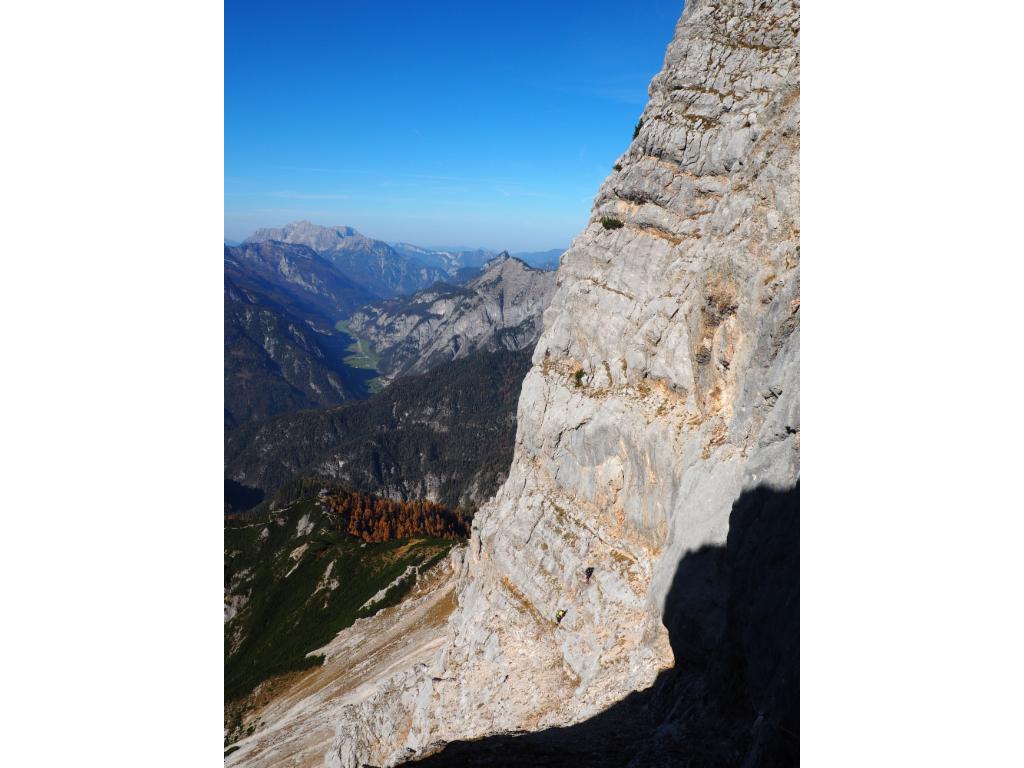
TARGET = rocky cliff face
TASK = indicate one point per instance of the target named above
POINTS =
(664, 387)
(500, 309)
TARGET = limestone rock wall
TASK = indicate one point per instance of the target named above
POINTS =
(665, 383)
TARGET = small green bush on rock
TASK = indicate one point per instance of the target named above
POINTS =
(610, 223)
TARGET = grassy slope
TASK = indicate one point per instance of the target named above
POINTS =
(287, 615)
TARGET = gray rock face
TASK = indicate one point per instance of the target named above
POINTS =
(665, 384)
(370, 263)
(499, 309)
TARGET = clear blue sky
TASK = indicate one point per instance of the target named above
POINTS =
(460, 123)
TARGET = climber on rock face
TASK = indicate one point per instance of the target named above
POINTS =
(589, 572)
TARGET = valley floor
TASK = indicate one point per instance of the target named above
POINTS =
(294, 727)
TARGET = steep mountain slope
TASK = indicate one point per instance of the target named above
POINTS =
(274, 361)
(663, 400)
(499, 309)
(295, 578)
(281, 349)
(288, 720)
(446, 436)
(294, 276)
(370, 263)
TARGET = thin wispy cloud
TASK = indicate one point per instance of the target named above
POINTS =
(516, 192)
(305, 168)
(312, 196)
(364, 172)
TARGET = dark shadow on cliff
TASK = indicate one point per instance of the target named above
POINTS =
(732, 699)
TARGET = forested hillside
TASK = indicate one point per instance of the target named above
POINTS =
(446, 435)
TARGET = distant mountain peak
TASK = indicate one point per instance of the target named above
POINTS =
(368, 262)
(316, 236)
(503, 261)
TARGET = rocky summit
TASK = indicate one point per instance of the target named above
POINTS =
(663, 402)
(499, 309)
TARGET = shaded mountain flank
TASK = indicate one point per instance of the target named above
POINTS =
(296, 277)
(281, 350)
(446, 435)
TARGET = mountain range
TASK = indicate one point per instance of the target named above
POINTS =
(454, 258)
(295, 276)
(302, 336)
(501, 308)
(288, 292)
(373, 264)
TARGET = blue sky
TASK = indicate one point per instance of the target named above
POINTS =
(460, 123)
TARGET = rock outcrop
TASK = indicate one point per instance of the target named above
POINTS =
(664, 388)
(499, 309)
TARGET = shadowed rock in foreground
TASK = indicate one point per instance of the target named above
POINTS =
(732, 699)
